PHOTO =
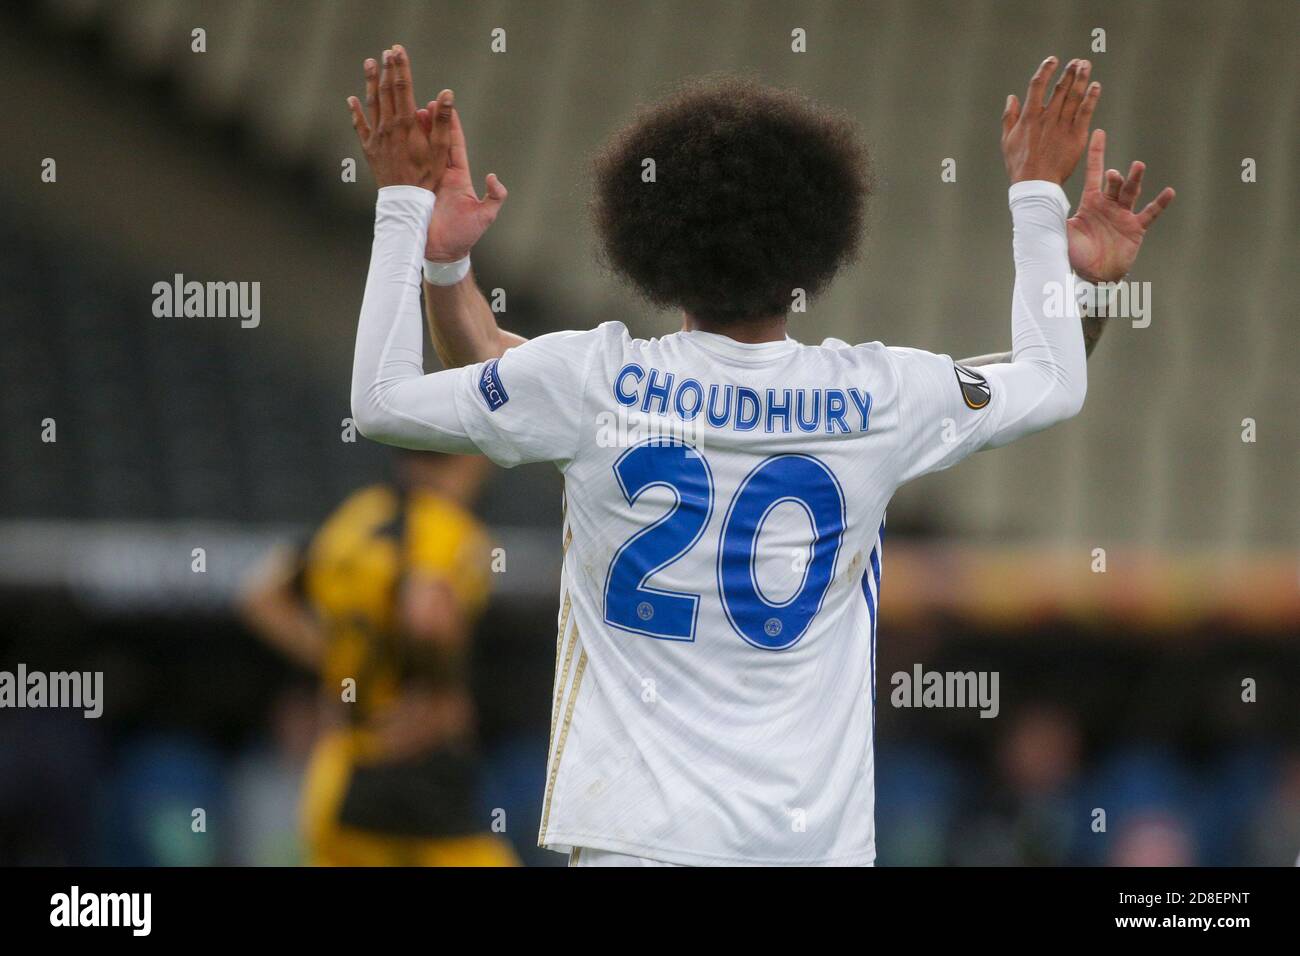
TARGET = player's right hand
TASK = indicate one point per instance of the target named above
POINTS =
(460, 217)
(399, 150)
(1045, 141)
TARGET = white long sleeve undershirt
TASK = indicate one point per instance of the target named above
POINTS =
(393, 400)
(1047, 377)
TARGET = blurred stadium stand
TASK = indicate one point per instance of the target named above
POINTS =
(225, 165)
(1156, 460)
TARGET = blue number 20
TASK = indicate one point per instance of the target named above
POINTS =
(798, 479)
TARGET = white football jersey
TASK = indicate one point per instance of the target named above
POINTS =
(715, 661)
(714, 697)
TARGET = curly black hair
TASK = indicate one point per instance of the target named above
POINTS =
(756, 192)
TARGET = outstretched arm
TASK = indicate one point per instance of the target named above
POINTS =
(1105, 233)
(947, 412)
(518, 408)
(393, 401)
(1046, 378)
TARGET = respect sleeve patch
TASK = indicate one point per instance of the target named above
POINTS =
(490, 387)
(975, 391)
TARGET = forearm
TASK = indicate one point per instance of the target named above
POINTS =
(288, 627)
(1046, 379)
(270, 606)
(462, 325)
(1043, 341)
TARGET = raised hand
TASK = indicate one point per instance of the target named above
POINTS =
(1045, 141)
(398, 147)
(460, 217)
(1105, 234)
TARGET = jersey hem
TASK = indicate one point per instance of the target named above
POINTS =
(562, 841)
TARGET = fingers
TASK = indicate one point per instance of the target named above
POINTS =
(438, 110)
(440, 128)
(359, 122)
(459, 151)
(1113, 183)
(1074, 96)
(1089, 105)
(1132, 187)
(387, 109)
(403, 89)
(496, 190)
(432, 112)
(1010, 114)
(371, 70)
(491, 202)
(1038, 84)
(1096, 161)
(1154, 208)
(446, 102)
(1063, 85)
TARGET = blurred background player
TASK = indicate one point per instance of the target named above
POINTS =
(382, 603)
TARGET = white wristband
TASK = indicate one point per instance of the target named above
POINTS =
(445, 273)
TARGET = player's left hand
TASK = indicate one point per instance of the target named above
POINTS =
(1105, 233)
(400, 149)
(460, 217)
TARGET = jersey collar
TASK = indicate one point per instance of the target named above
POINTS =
(748, 352)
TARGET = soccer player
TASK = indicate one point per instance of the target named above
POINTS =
(385, 596)
(715, 675)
